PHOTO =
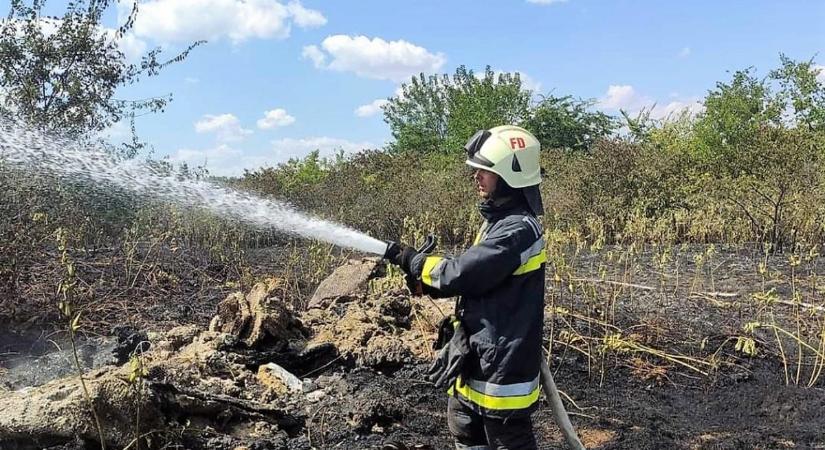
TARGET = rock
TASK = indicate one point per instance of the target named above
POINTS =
(257, 317)
(316, 396)
(58, 412)
(346, 281)
(279, 379)
(175, 339)
(233, 315)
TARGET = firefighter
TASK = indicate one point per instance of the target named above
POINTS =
(491, 353)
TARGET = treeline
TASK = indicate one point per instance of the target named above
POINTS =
(746, 168)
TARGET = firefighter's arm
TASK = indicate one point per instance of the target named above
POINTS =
(482, 266)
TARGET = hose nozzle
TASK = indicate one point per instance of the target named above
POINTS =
(393, 249)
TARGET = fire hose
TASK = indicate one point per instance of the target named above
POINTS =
(557, 407)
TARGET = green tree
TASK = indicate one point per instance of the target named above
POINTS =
(61, 73)
(567, 122)
(800, 93)
(734, 112)
(418, 117)
(762, 140)
(737, 113)
(480, 102)
(438, 113)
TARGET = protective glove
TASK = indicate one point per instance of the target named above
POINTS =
(403, 258)
(449, 363)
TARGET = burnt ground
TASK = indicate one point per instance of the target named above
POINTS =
(627, 396)
(759, 412)
(635, 400)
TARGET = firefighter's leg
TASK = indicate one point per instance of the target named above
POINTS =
(466, 427)
(512, 433)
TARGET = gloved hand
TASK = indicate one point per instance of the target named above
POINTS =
(403, 258)
(449, 363)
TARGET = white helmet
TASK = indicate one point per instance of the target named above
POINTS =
(509, 151)
(513, 154)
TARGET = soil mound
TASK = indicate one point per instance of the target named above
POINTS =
(382, 332)
(257, 316)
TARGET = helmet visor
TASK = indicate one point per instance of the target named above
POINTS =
(474, 145)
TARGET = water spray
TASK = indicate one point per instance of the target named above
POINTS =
(35, 151)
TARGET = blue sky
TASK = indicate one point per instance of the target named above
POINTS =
(279, 78)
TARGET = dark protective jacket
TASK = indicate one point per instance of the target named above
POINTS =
(501, 283)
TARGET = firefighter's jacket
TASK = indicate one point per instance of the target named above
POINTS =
(501, 283)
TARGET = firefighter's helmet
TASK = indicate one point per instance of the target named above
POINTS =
(512, 153)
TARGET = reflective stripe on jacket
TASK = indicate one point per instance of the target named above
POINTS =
(501, 282)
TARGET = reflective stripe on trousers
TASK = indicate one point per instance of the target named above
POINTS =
(498, 397)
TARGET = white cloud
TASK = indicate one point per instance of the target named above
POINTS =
(530, 83)
(692, 106)
(545, 2)
(371, 109)
(298, 148)
(821, 73)
(374, 58)
(622, 96)
(685, 52)
(190, 20)
(313, 53)
(375, 107)
(191, 80)
(226, 126)
(306, 18)
(133, 48)
(275, 118)
(627, 98)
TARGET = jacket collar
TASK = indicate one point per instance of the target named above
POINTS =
(495, 209)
